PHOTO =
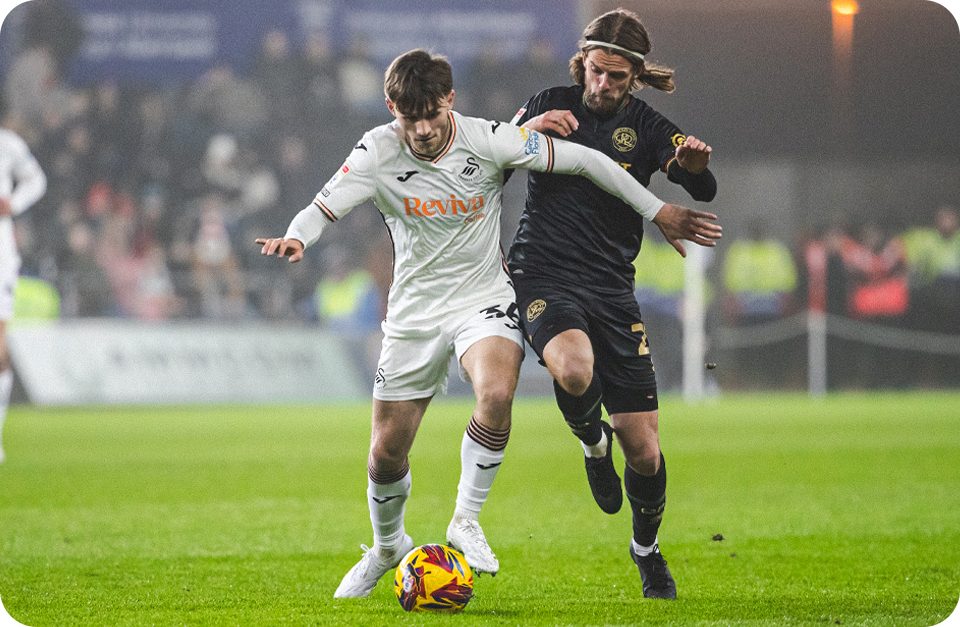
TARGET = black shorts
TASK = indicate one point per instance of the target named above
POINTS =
(620, 346)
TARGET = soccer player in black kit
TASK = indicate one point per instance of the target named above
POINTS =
(572, 266)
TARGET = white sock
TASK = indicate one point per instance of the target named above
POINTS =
(6, 386)
(644, 551)
(387, 504)
(478, 469)
(599, 449)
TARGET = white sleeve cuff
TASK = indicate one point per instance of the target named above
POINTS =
(307, 226)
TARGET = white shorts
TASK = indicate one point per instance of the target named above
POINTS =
(8, 283)
(415, 362)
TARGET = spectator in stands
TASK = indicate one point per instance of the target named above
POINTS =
(318, 74)
(323, 109)
(33, 90)
(933, 261)
(759, 281)
(216, 270)
(113, 124)
(360, 80)
(488, 90)
(229, 103)
(877, 294)
(277, 76)
(296, 180)
(87, 290)
(116, 258)
(346, 298)
(155, 297)
(825, 284)
(235, 170)
(55, 26)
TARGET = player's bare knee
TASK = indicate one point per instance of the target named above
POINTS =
(575, 377)
(386, 460)
(570, 365)
(645, 461)
(494, 407)
(387, 455)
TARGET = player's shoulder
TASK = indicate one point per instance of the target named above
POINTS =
(379, 143)
(642, 110)
(478, 131)
(561, 97)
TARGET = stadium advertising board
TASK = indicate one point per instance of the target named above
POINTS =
(108, 362)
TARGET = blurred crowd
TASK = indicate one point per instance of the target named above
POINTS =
(157, 192)
(894, 280)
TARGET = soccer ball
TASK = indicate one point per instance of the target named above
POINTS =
(433, 578)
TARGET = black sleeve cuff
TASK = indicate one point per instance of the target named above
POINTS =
(701, 187)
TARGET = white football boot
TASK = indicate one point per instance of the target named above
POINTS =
(465, 535)
(363, 577)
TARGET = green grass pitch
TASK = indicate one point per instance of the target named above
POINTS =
(840, 511)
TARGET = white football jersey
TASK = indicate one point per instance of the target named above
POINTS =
(443, 214)
(22, 182)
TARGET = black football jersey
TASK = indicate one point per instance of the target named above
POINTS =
(573, 231)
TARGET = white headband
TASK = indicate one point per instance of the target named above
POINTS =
(584, 44)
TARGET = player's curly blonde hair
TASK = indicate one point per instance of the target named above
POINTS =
(622, 28)
(417, 82)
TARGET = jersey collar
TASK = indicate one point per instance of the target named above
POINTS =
(446, 147)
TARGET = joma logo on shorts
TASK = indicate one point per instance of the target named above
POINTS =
(452, 206)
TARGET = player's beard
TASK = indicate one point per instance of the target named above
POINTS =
(603, 104)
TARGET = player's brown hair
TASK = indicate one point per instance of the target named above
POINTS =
(622, 28)
(417, 82)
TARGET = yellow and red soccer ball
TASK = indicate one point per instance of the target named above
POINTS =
(433, 578)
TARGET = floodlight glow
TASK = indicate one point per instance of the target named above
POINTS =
(845, 7)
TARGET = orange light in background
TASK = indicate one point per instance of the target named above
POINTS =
(843, 12)
(845, 7)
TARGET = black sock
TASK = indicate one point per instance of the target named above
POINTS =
(647, 496)
(582, 413)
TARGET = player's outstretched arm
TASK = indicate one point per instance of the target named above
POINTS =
(677, 223)
(281, 247)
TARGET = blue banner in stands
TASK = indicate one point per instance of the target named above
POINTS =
(174, 40)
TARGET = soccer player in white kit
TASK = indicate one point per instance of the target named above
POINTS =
(22, 183)
(437, 179)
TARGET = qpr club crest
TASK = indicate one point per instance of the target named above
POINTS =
(624, 139)
(535, 309)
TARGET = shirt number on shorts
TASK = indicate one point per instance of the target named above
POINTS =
(644, 345)
(512, 313)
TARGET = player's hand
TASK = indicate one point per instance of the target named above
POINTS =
(677, 223)
(562, 122)
(693, 155)
(6, 209)
(281, 247)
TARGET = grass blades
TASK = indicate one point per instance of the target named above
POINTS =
(842, 511)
